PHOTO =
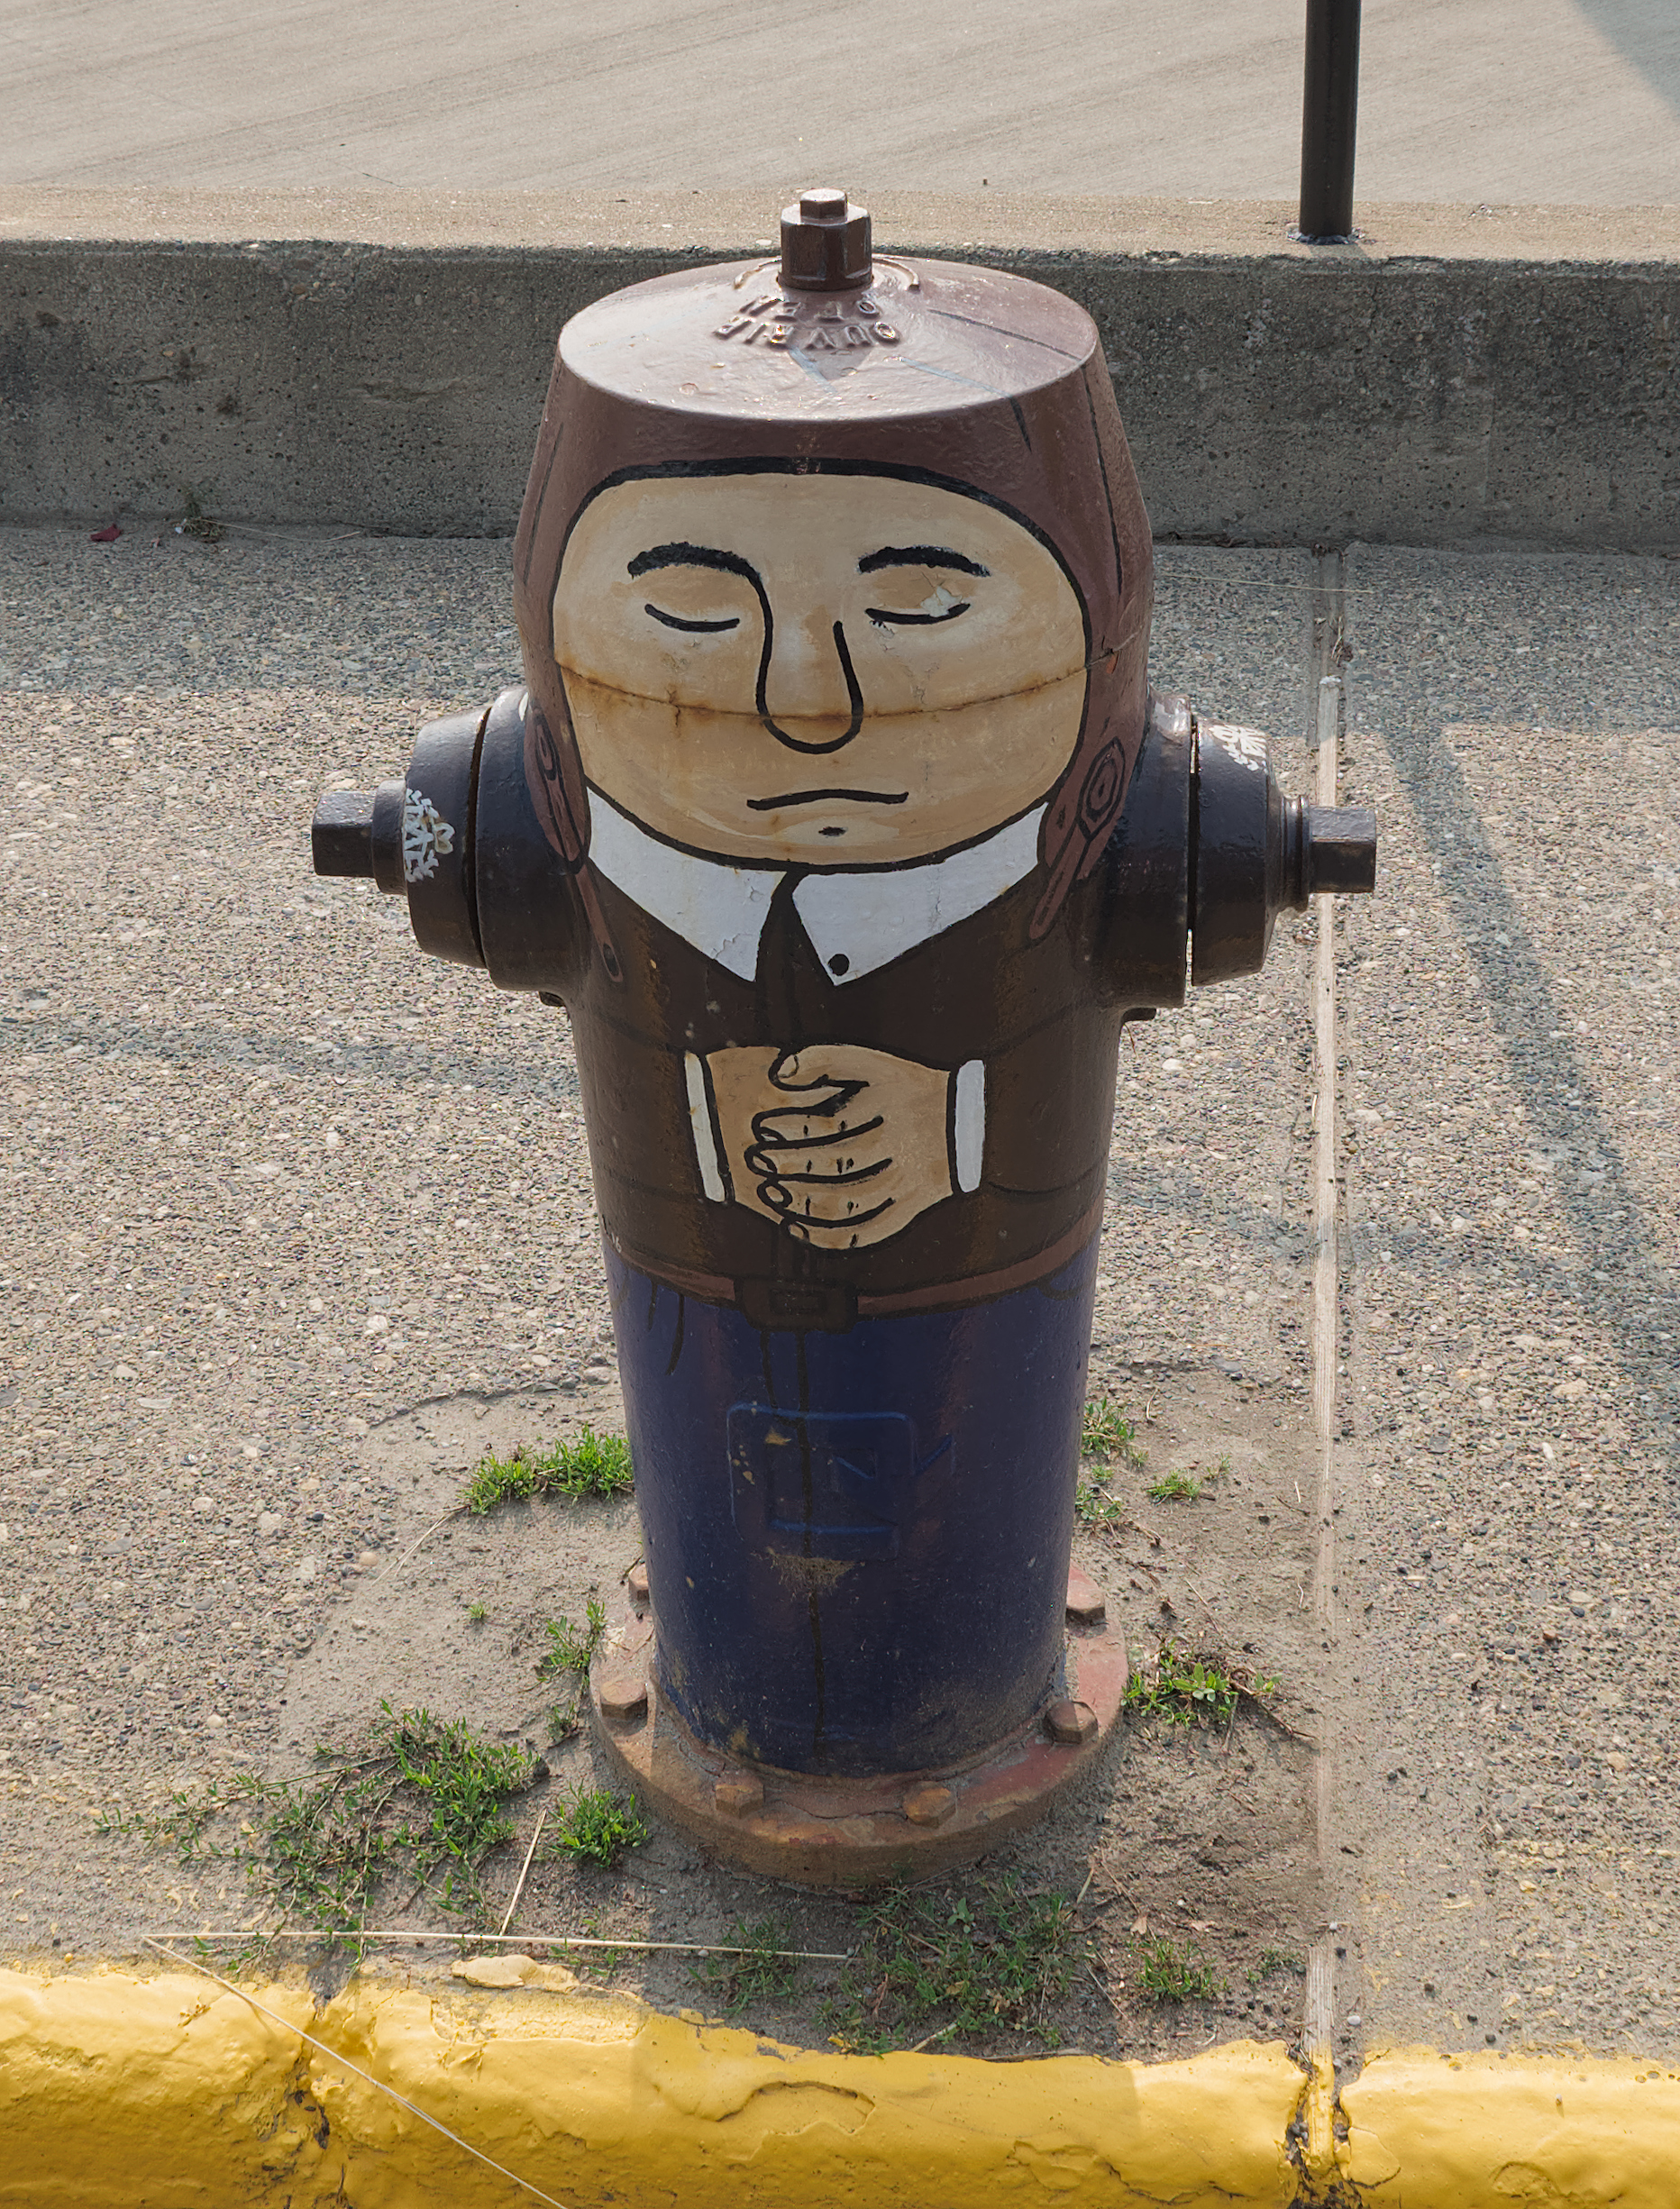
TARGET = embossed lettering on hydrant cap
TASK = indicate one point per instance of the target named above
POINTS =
(917, 338)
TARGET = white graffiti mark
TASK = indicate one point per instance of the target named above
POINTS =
(426, 837)
(1246, 746)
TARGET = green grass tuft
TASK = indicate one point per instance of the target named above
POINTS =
(1167, 1972)
(1109, 1435)
(570, 1648)
(1175, 1487)
(1096, 1507)
(422, 1794)
(596, 1826)
(738, 1982)
(931, 1966)
(1273, 1961)
(595, 1464)
(1182, 1687)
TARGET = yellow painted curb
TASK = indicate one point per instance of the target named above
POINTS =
(1433, 2132)
(169, 2093)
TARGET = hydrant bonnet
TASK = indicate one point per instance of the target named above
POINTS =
(971, 383)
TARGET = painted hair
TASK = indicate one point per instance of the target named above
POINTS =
(1055, 458)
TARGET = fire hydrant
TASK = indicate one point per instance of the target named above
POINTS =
(838, 812)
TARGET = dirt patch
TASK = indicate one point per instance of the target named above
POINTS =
(1187, 1860)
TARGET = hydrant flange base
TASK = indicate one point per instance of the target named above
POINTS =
(825, 1832)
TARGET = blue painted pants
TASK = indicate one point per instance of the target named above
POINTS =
(857, 1543)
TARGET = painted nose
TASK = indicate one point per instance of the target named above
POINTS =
(808, 696)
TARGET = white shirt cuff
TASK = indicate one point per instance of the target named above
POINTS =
(705, 1134)
(968, 1122)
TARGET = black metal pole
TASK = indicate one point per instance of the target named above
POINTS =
(1329, 115)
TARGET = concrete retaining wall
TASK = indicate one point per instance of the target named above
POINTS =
(1446, 381)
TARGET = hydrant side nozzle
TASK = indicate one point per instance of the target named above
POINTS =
(360, 833)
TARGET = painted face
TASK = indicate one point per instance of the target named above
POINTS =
(828, 671)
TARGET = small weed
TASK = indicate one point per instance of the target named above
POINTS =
(1182, 1687)
(1272, 1962)
(423, 1792)
(180, 1825)
(196, 522)
(595, 1464)
(476, 1614)
(1109, 1435)
(962, 1967)
(594, 1963)
(1096, 1507)
(759, 1976)
(569, 1649)
(568, 1656)
(1167, 1972)
(1175, 1487)
(597, 1827)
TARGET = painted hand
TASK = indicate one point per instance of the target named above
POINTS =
(844, 1144)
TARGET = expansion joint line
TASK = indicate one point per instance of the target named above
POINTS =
(1326, 721)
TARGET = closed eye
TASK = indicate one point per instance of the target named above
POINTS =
(885, 613)
(680, 621)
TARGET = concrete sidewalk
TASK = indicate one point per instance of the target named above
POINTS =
(1461, 101)
(299, 1223)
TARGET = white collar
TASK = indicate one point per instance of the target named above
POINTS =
(857, 922)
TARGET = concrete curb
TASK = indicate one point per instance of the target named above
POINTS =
(151, 2092)
(1455, 377)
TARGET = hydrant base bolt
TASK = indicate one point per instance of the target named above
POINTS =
(635, 1585)
(1071, 1724)
(738, 1795)
(623, 1698)
(1086, 1604)
(929, 1805)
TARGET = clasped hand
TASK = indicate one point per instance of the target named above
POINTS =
(845, 1145)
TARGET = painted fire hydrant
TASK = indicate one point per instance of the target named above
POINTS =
(838, 814)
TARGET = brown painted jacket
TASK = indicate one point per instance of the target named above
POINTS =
(1032, 1012)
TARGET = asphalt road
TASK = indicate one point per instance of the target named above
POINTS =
(1461, 101)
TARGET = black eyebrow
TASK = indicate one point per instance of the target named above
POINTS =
(919, 556)
(694, 556)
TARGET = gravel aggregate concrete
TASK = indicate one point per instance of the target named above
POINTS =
(299, 1223)
(1510, 1648)
(1459, 102)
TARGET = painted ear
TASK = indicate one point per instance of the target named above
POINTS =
(554, 776)
(1076, 829)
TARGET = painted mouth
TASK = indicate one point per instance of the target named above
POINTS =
(812, 797)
